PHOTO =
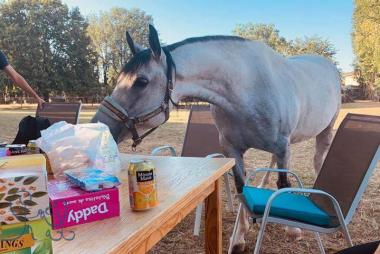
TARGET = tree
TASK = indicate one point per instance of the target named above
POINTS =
(107, 31)
(366, 44)
(47, 44)
(268, 34)
(312, 45)
(81, 59)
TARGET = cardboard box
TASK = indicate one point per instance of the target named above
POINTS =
(29, 237)
(23, 188)
(71, 205)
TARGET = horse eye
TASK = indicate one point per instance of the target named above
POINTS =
(141, 81)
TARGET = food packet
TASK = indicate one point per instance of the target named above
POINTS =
(92, 179)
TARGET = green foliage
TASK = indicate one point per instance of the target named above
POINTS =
(312, 45)
(268, 34)
(366, 44)
(48, 45)
(107, 31)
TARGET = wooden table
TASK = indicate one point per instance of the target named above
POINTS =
(183, 183)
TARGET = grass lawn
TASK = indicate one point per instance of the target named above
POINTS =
(364, 227)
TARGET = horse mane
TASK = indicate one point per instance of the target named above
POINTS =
(203, 39)
(145, 55)
(137, 61)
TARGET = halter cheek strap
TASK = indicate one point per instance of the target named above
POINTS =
(121, 114)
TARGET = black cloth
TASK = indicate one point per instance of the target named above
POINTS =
(367, 248)
(3, 61)
(30, 129)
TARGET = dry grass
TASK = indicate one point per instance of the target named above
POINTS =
(364, 227)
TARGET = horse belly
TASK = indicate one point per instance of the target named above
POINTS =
(318, 99)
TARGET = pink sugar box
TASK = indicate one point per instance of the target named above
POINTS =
(72, 206)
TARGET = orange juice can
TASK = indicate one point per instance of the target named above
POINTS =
(142, 184)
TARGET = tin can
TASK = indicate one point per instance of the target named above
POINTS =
(142, 185)
(3, 149)
(32, 147)
(16, 149)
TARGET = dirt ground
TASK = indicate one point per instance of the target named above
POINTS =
(364, 227)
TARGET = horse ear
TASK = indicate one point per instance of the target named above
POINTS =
(154, 42)
(134, 47)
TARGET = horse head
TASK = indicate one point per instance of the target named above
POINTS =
(142, 93)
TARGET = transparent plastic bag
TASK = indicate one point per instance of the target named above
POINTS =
(80, 146)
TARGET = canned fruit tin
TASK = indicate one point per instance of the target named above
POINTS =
(142, 185)
(32, 147)
(3, 152)
(16, 149)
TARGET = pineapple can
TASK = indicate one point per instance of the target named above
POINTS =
(142, 185)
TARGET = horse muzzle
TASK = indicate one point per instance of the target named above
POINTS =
(120, 123)
(117, 129)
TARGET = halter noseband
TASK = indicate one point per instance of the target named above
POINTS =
(130, 122)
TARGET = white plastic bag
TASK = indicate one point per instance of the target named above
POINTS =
(80, 146)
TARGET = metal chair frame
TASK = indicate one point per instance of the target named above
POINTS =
(266, 218)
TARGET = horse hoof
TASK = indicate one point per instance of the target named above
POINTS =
(238, 249)
(295, 233)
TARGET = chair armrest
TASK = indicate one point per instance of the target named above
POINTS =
(277, 193)
(215, 155)
(253, 174)
(159, 149)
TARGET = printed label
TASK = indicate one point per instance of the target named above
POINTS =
(144, 176)
(83, 214)
(16, 243)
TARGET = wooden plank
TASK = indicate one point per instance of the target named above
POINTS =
(213, 230)
(180, 181)
(168, 225)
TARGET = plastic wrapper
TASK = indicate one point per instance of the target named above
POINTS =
(91, 179)
(80, 146)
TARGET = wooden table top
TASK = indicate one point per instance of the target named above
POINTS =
(178, 178)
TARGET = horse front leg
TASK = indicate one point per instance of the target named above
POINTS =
(237, 243)
(238, 169)
(283, 162)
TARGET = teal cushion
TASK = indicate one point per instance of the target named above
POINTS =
(286, 205)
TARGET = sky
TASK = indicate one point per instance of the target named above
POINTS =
(176, 20)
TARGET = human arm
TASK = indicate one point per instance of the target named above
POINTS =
(22, 83)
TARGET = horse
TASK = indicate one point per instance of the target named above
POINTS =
(259, 98)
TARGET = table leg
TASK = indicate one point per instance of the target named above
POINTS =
(213, 219)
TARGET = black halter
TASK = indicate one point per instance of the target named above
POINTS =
(130, 122)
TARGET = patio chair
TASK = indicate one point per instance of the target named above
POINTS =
(201, 140)
(330, 205)
(59, 111)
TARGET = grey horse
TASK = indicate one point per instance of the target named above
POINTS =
(259, 98)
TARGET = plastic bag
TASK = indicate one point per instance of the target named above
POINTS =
(80, 146)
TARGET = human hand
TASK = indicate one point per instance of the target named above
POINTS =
(40, 102)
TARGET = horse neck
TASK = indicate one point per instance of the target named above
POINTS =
(203, 72)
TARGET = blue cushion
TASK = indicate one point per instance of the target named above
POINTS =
(286, 205)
